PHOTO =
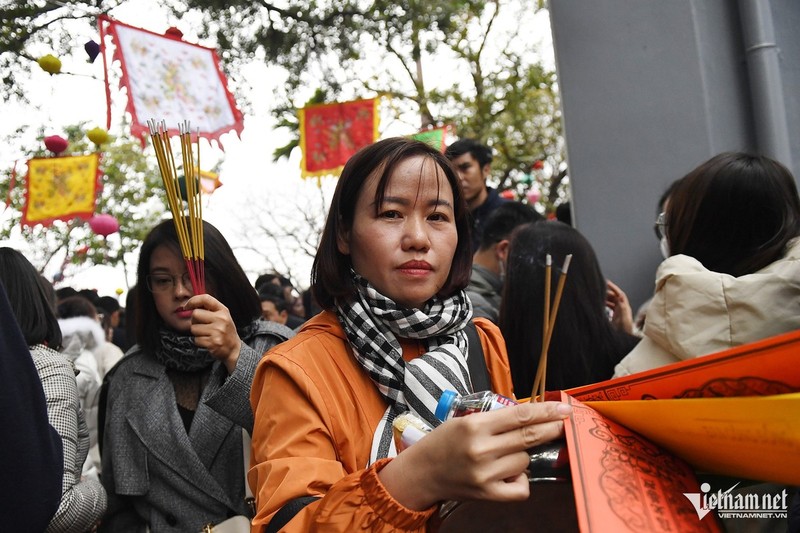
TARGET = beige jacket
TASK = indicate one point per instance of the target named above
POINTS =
(697, 312)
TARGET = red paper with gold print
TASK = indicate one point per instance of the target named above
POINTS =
(623, 482)
(760, 368)
(331, 133)
(60, 188)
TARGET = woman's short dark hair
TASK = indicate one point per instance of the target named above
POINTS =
(735, 213)
(30, 302)
(584, 346)
(330, 273)
(225, 280)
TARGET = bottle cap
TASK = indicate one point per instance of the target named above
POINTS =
(445, 402)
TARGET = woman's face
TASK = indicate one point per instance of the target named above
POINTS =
(405, 250)
(169, 283)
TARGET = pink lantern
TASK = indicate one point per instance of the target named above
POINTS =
(533, 194)
(104, 225)
(56, 143)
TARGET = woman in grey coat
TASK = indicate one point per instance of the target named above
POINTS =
(176, 404)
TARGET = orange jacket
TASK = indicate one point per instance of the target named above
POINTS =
(315, 413)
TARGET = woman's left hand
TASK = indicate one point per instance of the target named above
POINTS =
(214, 330)
(621, 313)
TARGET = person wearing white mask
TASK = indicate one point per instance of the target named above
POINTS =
(733, 271)
(663, 246)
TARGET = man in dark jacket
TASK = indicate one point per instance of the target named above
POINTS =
(488, 263)
(473, 162)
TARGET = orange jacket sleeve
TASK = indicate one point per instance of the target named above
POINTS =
(306, 444)
(494, 351)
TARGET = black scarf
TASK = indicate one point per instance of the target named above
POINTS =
(177, 351)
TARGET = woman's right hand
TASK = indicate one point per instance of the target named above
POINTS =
(480, 456)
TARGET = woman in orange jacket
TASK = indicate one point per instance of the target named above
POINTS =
(389, 273)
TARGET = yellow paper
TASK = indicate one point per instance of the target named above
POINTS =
(60, 188)
(750, 437)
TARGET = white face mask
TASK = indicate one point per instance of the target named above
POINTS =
(502, 270)
(663, 245)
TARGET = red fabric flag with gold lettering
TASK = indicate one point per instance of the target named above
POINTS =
(331, 133)
(60, 188)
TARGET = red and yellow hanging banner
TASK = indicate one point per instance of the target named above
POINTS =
(331, 133)
(170, 79)
(60, 188)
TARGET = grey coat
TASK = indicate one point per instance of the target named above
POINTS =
(156, 474)
(484, 290)
(82, 501)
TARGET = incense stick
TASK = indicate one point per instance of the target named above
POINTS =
(188, 226)
(539, 384)
(548, 267)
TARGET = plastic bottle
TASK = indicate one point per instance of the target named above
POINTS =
(408, 429)
(453, 405)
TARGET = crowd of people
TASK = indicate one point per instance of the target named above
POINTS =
(274, 406)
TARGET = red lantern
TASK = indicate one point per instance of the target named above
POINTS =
(538, 165)
(174, 33)
(508, 194)
(56, 143)
(104, 225)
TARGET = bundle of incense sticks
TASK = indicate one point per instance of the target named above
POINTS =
(549, 322)
(188, 221)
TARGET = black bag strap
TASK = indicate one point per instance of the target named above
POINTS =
(288, 511)
(476, 363)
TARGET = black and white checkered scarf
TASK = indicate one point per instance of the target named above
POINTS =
(373, 323)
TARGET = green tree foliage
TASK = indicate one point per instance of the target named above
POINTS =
(130, 191)
(471, 64)
(467, 63)
(31, 28)
(494, 90)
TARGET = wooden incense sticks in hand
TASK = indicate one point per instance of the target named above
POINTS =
(549, 322)
(189, 222)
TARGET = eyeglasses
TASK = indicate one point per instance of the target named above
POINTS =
(167, 282)
(660, 226)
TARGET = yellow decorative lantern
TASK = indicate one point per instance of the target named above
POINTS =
(98, 136)
(50, 64)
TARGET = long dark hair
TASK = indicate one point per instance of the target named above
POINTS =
(330, 273)
(585, 346)
(225, 280)
(29, 300)
(735, 213)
